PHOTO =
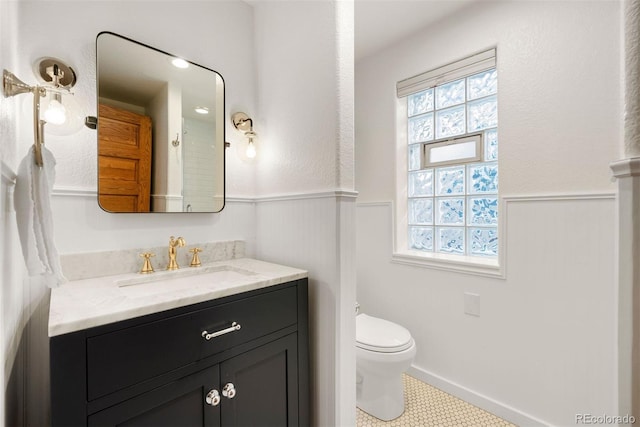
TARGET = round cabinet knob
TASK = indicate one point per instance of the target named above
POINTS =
(229, 391)
(213, 398)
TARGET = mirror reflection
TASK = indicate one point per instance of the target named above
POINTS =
(160, 130)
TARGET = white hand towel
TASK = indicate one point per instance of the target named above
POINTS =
(32, 200)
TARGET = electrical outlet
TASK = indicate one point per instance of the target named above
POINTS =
(472, 304)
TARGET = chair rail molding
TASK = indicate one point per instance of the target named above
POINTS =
(626, 168)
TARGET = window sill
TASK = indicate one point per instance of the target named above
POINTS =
(456, 263)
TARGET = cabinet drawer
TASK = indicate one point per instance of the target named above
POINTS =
(126, 357)
(256, 316)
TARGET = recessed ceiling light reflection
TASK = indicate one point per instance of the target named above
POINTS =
(180, 63)
(202, 110)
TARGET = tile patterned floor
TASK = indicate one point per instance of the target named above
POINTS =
(426, 406)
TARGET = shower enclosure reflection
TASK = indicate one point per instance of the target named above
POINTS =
(160, 130)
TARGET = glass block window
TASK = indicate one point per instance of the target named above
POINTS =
(452, 203)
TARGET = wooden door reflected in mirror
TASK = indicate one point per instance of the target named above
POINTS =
(124, 160)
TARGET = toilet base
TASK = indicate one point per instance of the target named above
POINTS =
(384, 400)
(379, 385)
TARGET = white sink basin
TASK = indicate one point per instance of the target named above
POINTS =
(190, 277)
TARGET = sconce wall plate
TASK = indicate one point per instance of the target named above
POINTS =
(43, 65)
(242, 122)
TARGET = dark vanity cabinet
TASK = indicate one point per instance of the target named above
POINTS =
(161, 370)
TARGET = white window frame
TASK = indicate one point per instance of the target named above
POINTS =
(427, 148)
(491, 267)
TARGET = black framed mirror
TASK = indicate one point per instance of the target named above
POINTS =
(160, 130)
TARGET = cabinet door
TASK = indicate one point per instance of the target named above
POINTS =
(180, 403)
(265, 381)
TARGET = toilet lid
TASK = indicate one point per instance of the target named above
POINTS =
(381, 335)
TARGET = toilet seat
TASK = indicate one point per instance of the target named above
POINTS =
(381, 335)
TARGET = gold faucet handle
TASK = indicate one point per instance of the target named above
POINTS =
(147, 267)
(195, 260)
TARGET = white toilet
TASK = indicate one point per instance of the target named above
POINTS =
(384, 350)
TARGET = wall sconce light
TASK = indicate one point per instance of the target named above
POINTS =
(244, 123)
(58, 79)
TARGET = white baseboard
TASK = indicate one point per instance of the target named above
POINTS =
(499, 409)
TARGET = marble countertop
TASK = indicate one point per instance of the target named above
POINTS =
(87, 303)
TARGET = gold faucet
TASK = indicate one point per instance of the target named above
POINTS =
(173, 242)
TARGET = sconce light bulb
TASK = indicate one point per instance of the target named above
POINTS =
(251, 149)
(55, 113)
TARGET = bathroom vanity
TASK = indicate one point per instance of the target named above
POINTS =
(228, 346)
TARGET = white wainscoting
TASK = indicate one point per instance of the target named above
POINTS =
(527, 357)
(24, 312)
(315, 232)
(12, 297)
(544, 346)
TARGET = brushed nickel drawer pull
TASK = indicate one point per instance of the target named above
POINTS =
(235, 326)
